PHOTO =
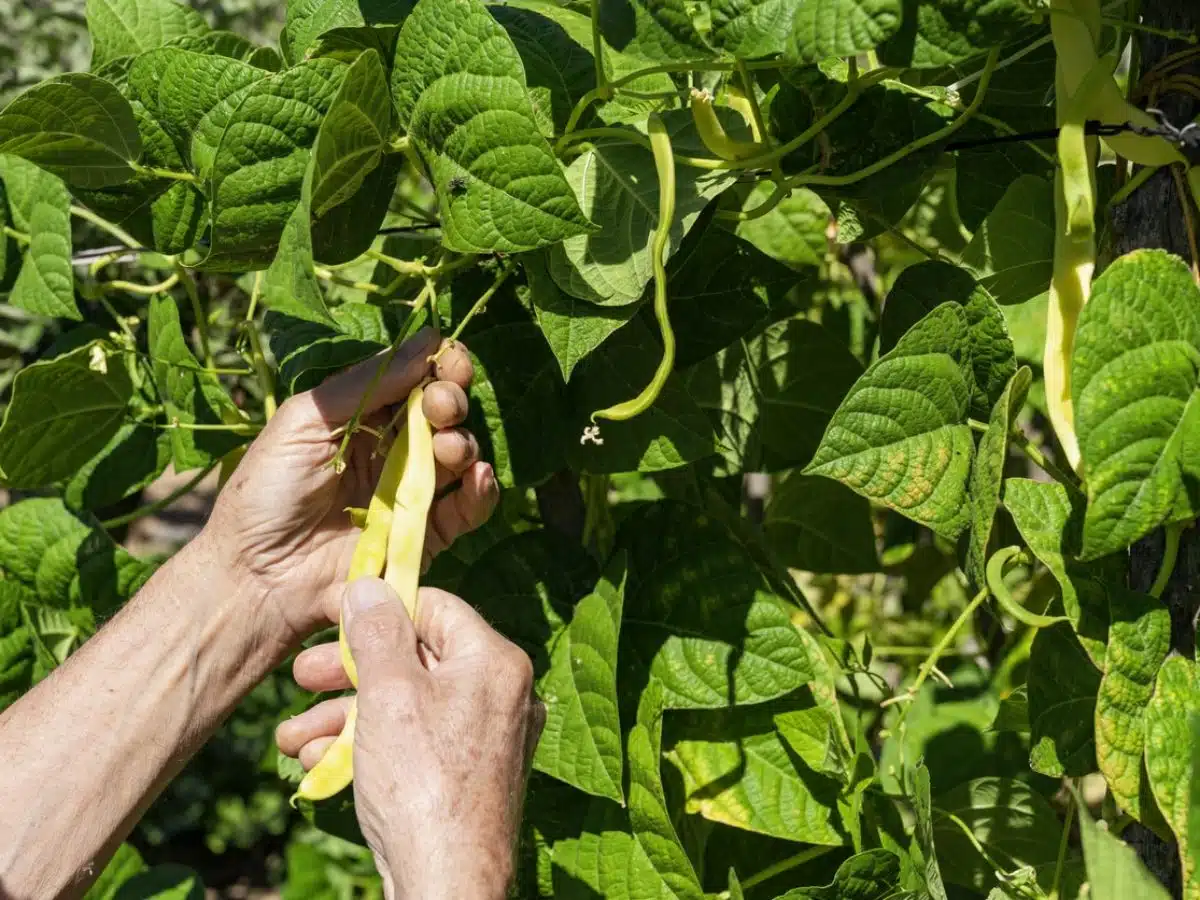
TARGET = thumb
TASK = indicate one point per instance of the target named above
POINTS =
(378, 630)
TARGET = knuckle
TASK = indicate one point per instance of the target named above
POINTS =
(517, 668)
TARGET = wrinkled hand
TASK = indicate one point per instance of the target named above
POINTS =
(447, 723)
(281, 519)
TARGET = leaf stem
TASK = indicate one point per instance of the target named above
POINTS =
(601, 90)
(248, 428)
(132, 287)
(151, 508)
(478, 306)
(169, 174)
(784, 865)
(189, 285)
(266, 378)
(333, 278)
(1063, 842)
(760, 125)
(781, 193)
(1039, 459)
(19, 236)
(1174, 532)
(82, 212)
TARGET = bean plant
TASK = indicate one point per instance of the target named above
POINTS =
(825, 413)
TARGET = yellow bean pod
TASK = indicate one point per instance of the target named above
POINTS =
(712, 132)
(391, 543)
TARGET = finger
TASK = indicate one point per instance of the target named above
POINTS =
(455, 365)
(380, 634)
(319, 669)
(462, 510)
(338, 397)
(455, 450)
(444, 404)
(326, 719)
(450, 627)
(313, 752)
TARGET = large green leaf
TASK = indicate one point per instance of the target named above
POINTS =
(819, 525)
(1170, 756)
(752, 28)
(259, 166)
(1135, 374)
(824, 28)
(923, 850)
(191, 395)
(128, 27)
(653, 30)
(168, 881)
(987, 471)
(900, 437)
(460, 90)
(1139, 636)
(870, 875)
(1063, 684)
(309, 352)
(581, 741)
(922, 287)
(1113, 868)
(793, 232)
(351, 139)
(62, 412)
(671, 433)
(76, 126)
(1012, 252)
(939, 33)
(125, 864)
(1049, 522)
(618, 188)
(29, 528)
(290, 286)
(737, 769)
(41, 208)
(572, 327)
(700, 617)
(1013, 821)
(135, 456)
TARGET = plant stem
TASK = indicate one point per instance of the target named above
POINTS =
(170, 174)
(784, 865)
(601, 90)
(939, 648)
(760, 125)
(19, 236)
(118, 318)
(1063, 842)
(333, 278)
(1039, 459)
(266, 378)
(133, 287)
(479, 304)
(189, 285)
(1174, 532)
(1140, 177)
(82, 212)
(243, 428)
(781, 193)
(151, 508)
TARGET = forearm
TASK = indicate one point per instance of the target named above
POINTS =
(90, 747)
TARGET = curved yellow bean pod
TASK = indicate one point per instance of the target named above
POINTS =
(664, 163)
(712, 132)
(336, 768)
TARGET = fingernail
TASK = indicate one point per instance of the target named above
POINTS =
(362, 595)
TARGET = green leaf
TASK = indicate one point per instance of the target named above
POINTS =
(1013, 821)
(259, 166)
(924, 849)
(871, 875)
(1012, 252)
(1113, 869)
(1139, 637)
(1013, 714)
(125, 864)
(461, 95)
(192, 96)
(559, 71)
(1049, 522)
(721, 289)
(572, 327)
(190, 395)
(939, 33)
(308, 20)
(748, 29)
(737, 643)
(738, 770)
(793, 232)
(618, 189)
(900, 437)
(653, 30)
(581, 741)
(310, 352)
(29, 528)
(128, 27)
(290, 286)
(75, 126)
(1134, 387)
(1170, 755)
(350, 142)
(819, 525)
(671, 433)
(168, 881)
(824, 28)
(41, 208)
(987, 471)
(63, 411)
(922, 287)
(1063, 684)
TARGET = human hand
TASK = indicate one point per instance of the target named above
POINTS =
(281, 522)
(447, 724)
